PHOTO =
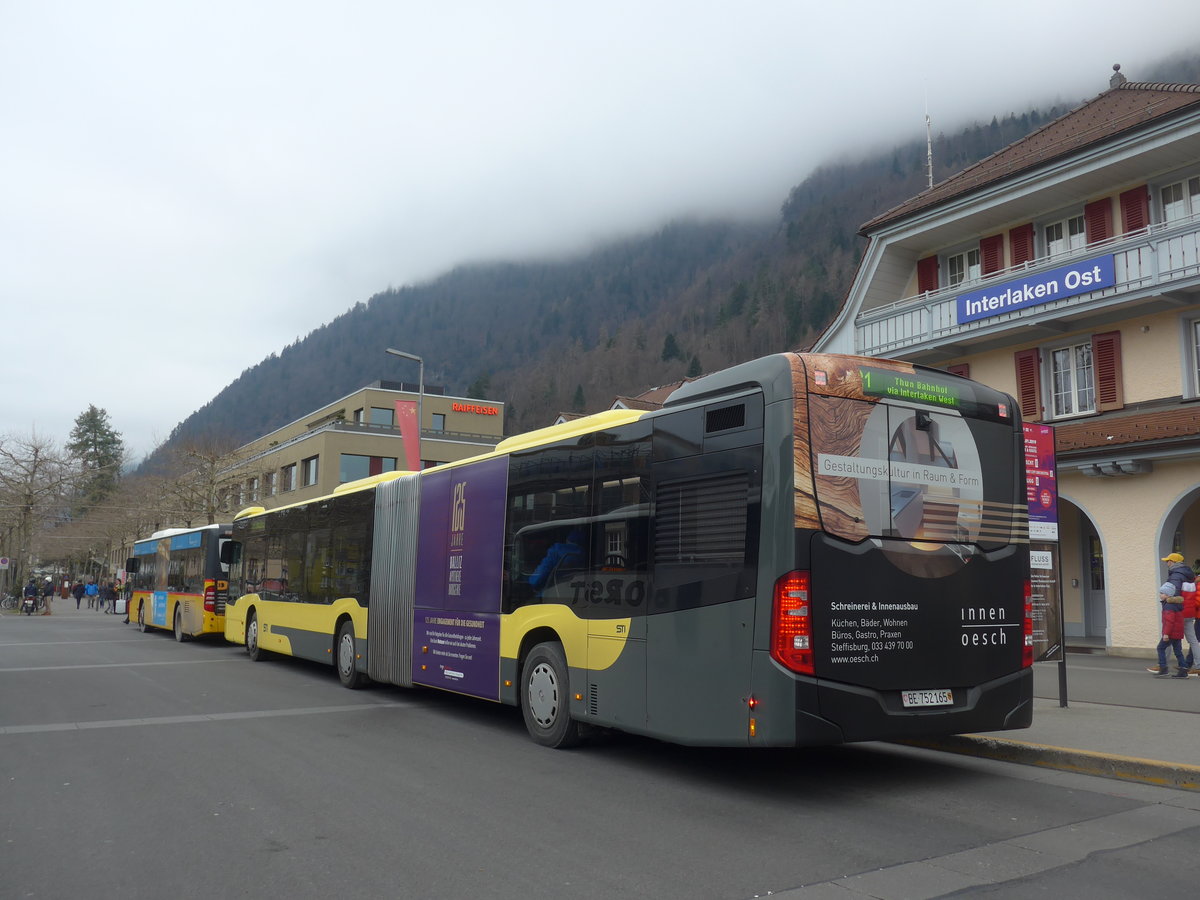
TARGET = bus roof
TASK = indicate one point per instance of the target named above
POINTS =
(171, 532)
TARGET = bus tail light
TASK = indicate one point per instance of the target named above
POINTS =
(791, 623)
(1027, 628)
(210, 597)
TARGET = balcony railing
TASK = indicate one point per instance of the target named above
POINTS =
(1161, 258)
(427, 434)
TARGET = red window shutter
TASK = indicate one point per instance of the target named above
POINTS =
(1097, 220)
(963, 369)
(1020, 244)
(991, 249)
(1029, 393)
(1135, 209)
(1106, 356)
(927, 274)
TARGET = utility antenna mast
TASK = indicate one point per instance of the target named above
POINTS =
(928, 143)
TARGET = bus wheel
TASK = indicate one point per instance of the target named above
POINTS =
(343, 654)
(255, 652)
(545, 697)
(142, 627)
(180, 634)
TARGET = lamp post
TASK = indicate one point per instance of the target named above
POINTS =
(420, 390)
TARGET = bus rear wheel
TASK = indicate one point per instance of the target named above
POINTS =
(180, 634)
(344, 657)
(142, 627)
(253, 649)
(545, 697)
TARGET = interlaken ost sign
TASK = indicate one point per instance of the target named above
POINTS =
(1045, 287)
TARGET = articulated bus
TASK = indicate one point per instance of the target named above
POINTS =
(801, 550)
(178, 581)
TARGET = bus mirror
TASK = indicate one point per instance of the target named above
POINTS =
(231, 552)
(132, 565)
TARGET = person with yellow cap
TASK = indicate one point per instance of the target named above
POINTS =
(1178, 572)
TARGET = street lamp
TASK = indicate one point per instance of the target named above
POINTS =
(420, 391)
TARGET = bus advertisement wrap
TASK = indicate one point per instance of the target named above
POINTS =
(456, 638)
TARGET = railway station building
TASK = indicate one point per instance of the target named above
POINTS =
(1065, 270)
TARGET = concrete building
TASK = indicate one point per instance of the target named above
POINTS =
(359, 435)
(1065, 270)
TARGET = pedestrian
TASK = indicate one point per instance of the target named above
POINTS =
(48, 594)
(1178, 571)
(1191, 606)
(93, 593)
(77, 593)
(110, 598)
(1172, 632)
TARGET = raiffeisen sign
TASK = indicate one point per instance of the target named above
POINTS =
(1056, 284)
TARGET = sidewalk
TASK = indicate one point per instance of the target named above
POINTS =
(1148, 732)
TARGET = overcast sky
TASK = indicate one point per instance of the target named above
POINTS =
(186, 187)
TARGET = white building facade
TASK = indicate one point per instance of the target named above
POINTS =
(1065, 270)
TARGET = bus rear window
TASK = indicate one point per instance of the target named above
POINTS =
(897, 471)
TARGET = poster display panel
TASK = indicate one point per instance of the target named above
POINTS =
(456, 638)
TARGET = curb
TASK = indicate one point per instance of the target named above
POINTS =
(1084, 762)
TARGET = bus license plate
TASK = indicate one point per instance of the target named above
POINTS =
(927, 698)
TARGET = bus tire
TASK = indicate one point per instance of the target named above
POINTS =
(546, 697)
(253, 649)
(142, 626)
(344, 657)
(180, 634)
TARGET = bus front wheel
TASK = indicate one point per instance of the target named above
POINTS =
(344, 657)
(545, 697)
(253, 649)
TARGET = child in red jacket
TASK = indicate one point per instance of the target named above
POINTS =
(1172, 632)
(1191, 606)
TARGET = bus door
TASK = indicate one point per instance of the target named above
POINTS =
(613, 591)
(699, 631)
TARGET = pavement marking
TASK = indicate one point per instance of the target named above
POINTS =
(208, 717)
(130, 665)
(1006, 861)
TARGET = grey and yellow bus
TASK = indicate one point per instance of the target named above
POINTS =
(800, 550)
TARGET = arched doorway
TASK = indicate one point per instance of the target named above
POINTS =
(1084, 575)
(1180, 529)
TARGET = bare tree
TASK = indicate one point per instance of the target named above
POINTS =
(35, 477)
(207, 479)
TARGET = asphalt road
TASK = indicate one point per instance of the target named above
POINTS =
(137, 767)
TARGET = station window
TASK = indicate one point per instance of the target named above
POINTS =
(1072, 377)
(1181, 200)
(1193, 356)
(1065, 236)
(438, 422)
(287, 478)
(269, 484)
(383, 416)
(963, 267)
